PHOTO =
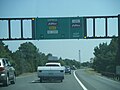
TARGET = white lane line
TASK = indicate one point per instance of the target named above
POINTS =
(80, 83)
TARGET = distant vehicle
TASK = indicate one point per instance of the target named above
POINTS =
(73, 67)
(67, 69)
(7, 72)
(51, 70)
(53, 59)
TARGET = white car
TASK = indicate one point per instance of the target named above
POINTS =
(51, 71)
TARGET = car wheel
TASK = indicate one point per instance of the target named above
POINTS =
(6, 82)
(61, 80)
(41, 80)
(13, 81)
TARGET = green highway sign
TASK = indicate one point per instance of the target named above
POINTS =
(58, 28)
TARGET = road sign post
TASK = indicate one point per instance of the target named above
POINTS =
(117, 63)
(119, 39)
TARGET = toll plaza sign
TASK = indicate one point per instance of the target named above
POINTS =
(58, 28)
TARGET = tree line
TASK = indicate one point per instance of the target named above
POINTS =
(28, 57)
(105, 57)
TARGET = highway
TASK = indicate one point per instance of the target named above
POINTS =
(88, 79)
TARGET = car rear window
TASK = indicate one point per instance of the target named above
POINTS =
(52, 65)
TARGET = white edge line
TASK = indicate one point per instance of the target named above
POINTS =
(84, 88)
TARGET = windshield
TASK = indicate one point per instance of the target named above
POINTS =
(81, 34)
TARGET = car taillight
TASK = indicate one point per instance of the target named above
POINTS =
(2, 69)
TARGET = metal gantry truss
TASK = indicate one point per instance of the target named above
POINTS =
(94, 36)
(21, 27)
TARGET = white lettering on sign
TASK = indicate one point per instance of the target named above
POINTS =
(76, 34)
(51, 23)
(75, 25)
(76, 21)
(52, 31)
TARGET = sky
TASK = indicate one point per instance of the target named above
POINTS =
(68, 48)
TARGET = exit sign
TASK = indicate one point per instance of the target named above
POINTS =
(58, 28)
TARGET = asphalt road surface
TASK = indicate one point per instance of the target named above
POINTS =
(93, 81)
(79, 80)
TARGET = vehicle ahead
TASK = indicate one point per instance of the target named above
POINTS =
(73, 67)
(67, 69)
(7, 72)
(51, 71)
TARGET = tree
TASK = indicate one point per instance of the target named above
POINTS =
(71, 63)
(26, 57)
(104, 60)
(5, 52)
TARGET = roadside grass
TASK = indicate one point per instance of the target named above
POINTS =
(92, 72)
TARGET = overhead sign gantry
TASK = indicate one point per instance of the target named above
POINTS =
(58, 28)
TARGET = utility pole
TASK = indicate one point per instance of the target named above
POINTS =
(79, 56)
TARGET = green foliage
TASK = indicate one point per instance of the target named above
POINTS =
(28, 57)
(71, 63)
(104, 60)
(85, 64)
(5, 52)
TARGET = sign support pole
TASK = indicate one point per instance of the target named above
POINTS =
(118, 40)
(119, 37)
(117, 63)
